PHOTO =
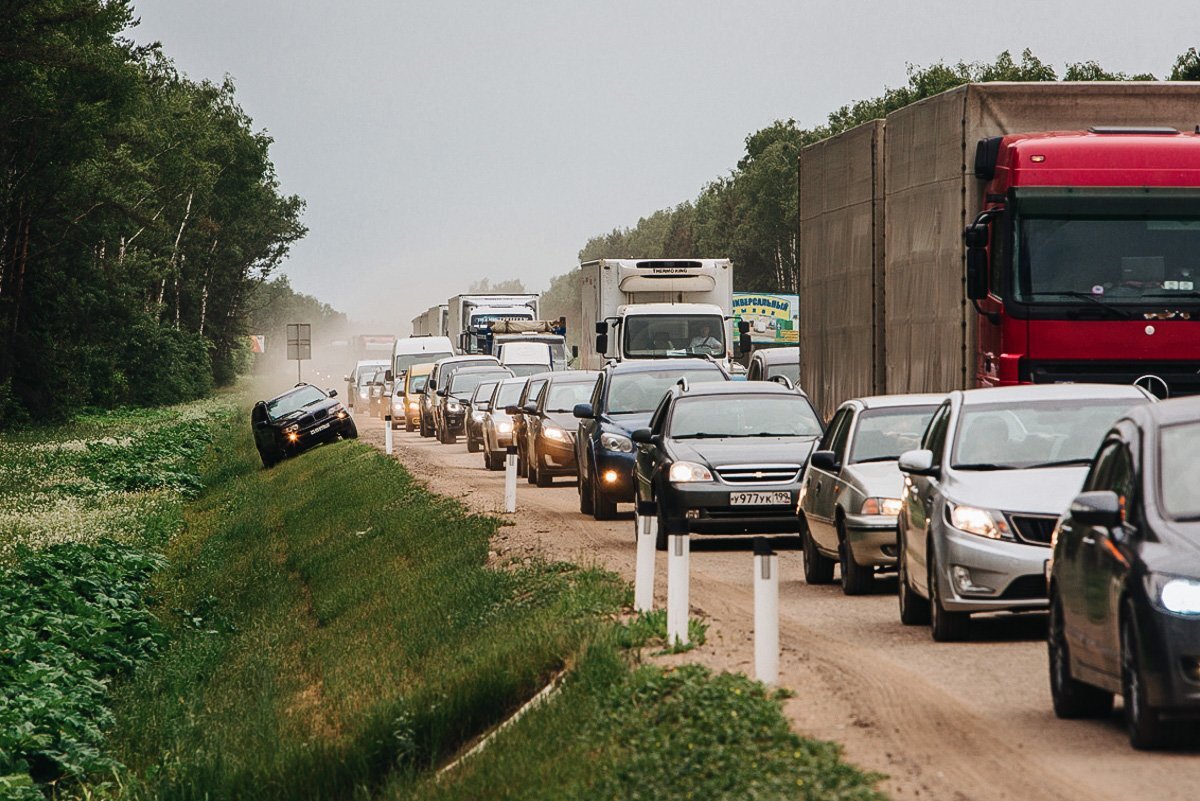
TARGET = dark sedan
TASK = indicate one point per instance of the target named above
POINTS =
(1125, 579)
(550, 426)
(625, 395)
(298, 419)
(725, 458)
(454, 396)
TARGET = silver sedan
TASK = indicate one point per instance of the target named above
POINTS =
(851, 491)
(995, 470)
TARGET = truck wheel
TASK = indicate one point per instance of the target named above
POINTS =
(1072, 698)
(818, 569)
(914, 610)
(856, 579)
(943, 625)
(585, 494)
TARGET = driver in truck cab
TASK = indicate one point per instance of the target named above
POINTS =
(705, 340)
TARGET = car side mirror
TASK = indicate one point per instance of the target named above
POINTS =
(333, 393)
(1101, 508)
(643, 436)
(441, 393)
(583, 411)
(825, 460)
(917, 463)
(348, 380)
(529, 408)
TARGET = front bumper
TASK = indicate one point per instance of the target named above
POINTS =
(558, 456)
(614, 475)
(705, 508)
(872, 539)
(1170, 656)
(326, 430)
(1013, 571)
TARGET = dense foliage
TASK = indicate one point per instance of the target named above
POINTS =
(751, 215)
(138, 209)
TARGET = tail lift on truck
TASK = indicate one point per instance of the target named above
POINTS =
(656, 309)
(1005, 233)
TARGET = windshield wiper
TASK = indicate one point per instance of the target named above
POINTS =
(1171, 295)
(986, 466)
(1094, 299)
(870, 459)
(1079, 460)
(700, 436)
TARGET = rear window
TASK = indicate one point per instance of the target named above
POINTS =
(883, 434)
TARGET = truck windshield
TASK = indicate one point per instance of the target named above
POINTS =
(654, 336)
(1114, 260)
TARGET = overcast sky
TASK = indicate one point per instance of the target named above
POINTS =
(441, 142)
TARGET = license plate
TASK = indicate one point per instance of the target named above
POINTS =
(320, 428)
(760, 498)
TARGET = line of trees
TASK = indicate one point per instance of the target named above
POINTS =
(751, 215)
(138, 211)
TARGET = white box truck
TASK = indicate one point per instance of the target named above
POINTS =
(655, 309)
(469, 316)
(431, 322)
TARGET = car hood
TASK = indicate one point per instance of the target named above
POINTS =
(745, 450)
(564, 420)
(628, 423)
(875, 479)
(1048, 491)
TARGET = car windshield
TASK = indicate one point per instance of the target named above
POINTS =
(463, 385)
(1053, 433)
(483, 392)
(883, 434)
(525, 370)
(294, 401)
(564, 396)
(508, 394)
(1179, 471)
(365, 372)
(654, 336)
(416, 383)
(407, 360)
(792, 371)
(744, 416)
(640, 391)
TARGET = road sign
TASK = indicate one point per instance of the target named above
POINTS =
(258, 343)
(299, 344)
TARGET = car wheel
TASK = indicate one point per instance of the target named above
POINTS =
(540, 477)
(472, 444)
(447, 437)
(584, 488)
(603, 508)
(424, 428)
(1072, 698)
(531, 468)
(943, 625)
(350, 431)
(856, 579)
(522, 468)
(660, 532)
(818, 569)
(914, 610)
(268, 460)
(408, 425)
(1147, 730)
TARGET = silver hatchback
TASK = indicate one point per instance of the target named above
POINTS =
(996, 469)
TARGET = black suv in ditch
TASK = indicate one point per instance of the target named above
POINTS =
(725, 458)
(298, 419)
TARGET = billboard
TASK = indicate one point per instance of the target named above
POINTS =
(774, 319)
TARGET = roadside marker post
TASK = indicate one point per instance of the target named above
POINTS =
(766, 612)
(678, 552)
(387, 437)
(643, 586)
(510, 479)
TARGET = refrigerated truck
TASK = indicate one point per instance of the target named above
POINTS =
(469, 316)
(655, 309)
(1005, 233)
(431, 322)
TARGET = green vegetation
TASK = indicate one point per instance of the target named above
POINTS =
(84, 512)
(139, 210)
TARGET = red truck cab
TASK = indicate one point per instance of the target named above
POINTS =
(1084, 264)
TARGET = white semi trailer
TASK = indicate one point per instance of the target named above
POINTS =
(468, 317)
(431, 322)
(655, 309)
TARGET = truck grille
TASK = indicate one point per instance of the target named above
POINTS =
(1033, 529)
(1181, 378)
(759, 474)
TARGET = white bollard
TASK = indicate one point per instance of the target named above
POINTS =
(678, 548)
(510, 480)
(766, 612)
(387, 436)
(643, 585)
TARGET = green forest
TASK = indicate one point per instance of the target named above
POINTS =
(139, 212)
(751, 215)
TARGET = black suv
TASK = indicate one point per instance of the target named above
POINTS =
(298, 419)
(725, 458)
(625, 396)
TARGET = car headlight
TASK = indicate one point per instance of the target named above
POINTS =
(685, 472)
(1179, 596)
(554, 433)
(504, 427)
(616, 442)
(412, 404)
(979, 522)
(453, 407)
(293, 428)
(889, 507)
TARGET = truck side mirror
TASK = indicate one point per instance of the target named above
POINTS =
(387, 376)
(602, 327)
(977, 273)
(574, 351)
(744, 344)
(602, 344)
(743, 327)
